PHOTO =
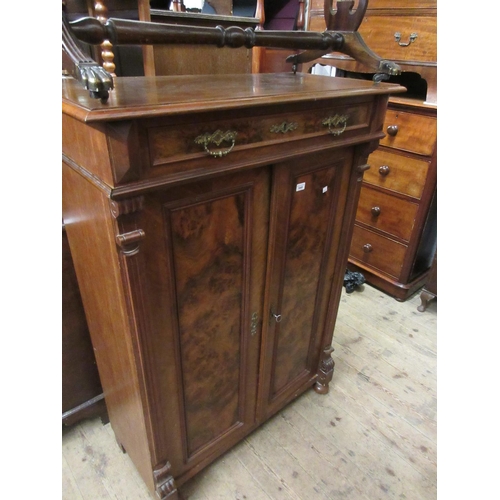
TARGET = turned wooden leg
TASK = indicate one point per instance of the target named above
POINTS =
(325, 372)
(425, 298)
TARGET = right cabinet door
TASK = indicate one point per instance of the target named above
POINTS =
(307, 210)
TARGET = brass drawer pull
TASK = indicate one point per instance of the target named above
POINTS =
(397, 37)
(384, 170)
(367, 248)
(376, 211)
(392, 130)
(284, 127)
(217, 138)
(334, 122)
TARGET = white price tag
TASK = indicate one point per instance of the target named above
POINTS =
(301, 186)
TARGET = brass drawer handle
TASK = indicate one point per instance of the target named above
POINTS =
(367, 248)
(392, 130)
(384, 170)
(376, 211)
(217, 138)
(397, 37)
(284, 127)
(334, 122)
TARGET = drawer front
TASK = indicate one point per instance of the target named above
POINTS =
(377, 251)
(200, 139)
(380, 34)
(386, 212)
(410, 132)
(397, 173)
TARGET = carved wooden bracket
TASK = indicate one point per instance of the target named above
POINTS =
(164, 483)
(128, 206)
(325, 372)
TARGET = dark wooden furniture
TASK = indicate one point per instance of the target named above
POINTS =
(395, 234)
(429, 292)
(82, 395)
(209, 223)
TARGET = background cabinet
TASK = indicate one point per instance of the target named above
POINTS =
(395, 234)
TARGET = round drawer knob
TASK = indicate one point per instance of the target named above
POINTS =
(376, 211)
(392, 130)
(384, 170)
(367, 248)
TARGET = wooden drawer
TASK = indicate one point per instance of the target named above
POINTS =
(177, 142)
(377, 251)
(379, 34)
(410, 132)
(396, 172)
(387, 213)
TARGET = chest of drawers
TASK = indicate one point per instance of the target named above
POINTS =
(209, 223)
(395, 233)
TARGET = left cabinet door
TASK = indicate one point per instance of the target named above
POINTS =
(203, 261)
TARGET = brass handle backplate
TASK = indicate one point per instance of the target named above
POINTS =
(284, 127)
(397, 37)
(217, 138)
(336, 124)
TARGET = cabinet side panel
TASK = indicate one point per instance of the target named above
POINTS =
(90, 232)
(208, 256)
(309, 220)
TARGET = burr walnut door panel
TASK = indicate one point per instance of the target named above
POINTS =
(205, 256)
(305, 226)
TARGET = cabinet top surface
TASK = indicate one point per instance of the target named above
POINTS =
(143, 97)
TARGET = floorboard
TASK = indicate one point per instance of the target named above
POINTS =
(373, 437)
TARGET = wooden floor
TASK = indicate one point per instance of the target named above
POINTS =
(372, 437)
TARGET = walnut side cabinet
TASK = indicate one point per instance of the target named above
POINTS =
(209, 223)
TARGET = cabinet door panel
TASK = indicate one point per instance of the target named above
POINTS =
(305, 209)
(205, 256)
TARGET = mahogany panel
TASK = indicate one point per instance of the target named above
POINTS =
(310, 211)
(204, 258)
(387, 213)
(208, 254)
(378, 32)
(396, 172)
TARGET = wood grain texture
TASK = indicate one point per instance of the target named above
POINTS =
(310, 212)
(404, 174)
(416, 133)
(208, 252)
(395, 216)
(372, 437)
